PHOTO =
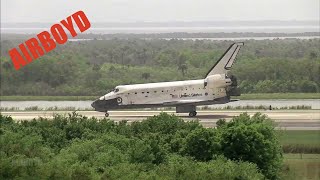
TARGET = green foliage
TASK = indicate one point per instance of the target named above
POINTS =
(179, 167)
(280, 96)
(160, 147)
(306, 137)
(201, 144)
(301, 166)
(5, 120)
(94, 67)
(252, 139)
(300, 141)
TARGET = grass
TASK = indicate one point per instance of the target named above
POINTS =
(301, 156)
(53, 108)
(279, 96)
(300, 137)
(48, 98)
(242, 97)
(302, 167)
(300, 141)
(248, 107)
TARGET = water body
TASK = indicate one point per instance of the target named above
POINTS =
(248, 38)
(314, 103)
(221, 39)
(171, 29)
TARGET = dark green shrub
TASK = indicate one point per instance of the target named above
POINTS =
(5, 120)
(252, 139)
(201, 144)
(161, 147)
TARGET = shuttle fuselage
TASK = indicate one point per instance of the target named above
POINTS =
(215, 88)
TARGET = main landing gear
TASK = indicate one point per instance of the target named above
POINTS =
(106, 114)
(192, 113)
(191, 109)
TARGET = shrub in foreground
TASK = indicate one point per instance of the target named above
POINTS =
(252, 139)
(161, 147)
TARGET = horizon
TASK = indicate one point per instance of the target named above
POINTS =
(160, 10)
(186, 21)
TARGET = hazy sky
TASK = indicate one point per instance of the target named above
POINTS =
(159, 10)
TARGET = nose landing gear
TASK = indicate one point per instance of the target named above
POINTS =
(106, 114)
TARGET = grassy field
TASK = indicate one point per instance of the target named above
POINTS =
(300, 167)
(242, 97)
(300, 141)
(280, 96)
(300, 137)
(48, 98)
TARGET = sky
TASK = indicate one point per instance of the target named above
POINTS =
(13, 11)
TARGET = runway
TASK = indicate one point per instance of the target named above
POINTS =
(286, 119)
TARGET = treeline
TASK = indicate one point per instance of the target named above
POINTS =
(170, 35)
(96, 66)
(161, 147)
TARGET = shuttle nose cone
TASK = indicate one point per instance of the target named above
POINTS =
(96, 104)
(93, 104)
(99, 105)
(104, 105)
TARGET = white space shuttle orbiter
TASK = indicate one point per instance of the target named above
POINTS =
(215, 88)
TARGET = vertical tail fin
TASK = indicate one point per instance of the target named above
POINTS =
(224, 64)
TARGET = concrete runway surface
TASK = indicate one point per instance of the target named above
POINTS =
(285, 119)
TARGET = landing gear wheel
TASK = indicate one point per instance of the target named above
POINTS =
(106, 114)
(119, 100)
(192, 114)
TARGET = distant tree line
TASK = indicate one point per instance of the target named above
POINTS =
(161, 147)
(170, 35)
(96, 66)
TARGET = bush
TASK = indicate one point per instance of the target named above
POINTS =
(179, 167)
(201, 144)
(5, 120)
(254, 140)
(161, 147)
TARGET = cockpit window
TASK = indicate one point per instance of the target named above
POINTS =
(114, 90)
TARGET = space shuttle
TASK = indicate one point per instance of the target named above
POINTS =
(216, 88)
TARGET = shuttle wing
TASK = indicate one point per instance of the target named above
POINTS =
(190, 101)
(186, 101)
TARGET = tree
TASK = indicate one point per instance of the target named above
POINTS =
(182, 66)
(160, 147)
(145, 75)
(308, 86)
(313, 55)
(141, 152)
(254, 140)
(123, 52)
(201, 144)
(263, 66)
